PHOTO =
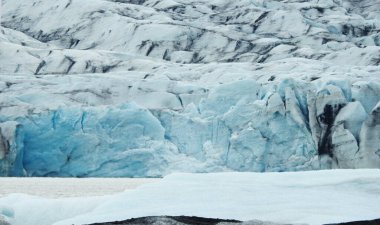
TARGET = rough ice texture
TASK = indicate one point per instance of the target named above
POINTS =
(146, 88)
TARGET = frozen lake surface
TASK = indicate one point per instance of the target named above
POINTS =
(69, 187)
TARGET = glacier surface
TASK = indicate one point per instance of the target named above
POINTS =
(147, 88)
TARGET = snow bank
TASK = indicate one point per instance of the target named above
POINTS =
(314, 197)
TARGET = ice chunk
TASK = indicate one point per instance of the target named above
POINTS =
(368, 93)
(222, 98)
(247, 151)
(369, 153)
(11, 149)
(344, 148)
(352, 117)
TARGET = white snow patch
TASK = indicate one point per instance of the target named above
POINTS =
(314, 197)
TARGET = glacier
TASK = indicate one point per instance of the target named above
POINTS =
(147, 88)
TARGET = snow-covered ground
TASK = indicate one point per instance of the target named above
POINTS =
(314, 197)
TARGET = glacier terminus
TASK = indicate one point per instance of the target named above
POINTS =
(144, 88)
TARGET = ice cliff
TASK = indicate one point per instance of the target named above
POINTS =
(146, 88)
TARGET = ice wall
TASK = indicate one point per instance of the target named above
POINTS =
(116, 141)
(239, 126)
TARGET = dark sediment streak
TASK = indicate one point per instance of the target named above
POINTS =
(171, 220)
(364, 222)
